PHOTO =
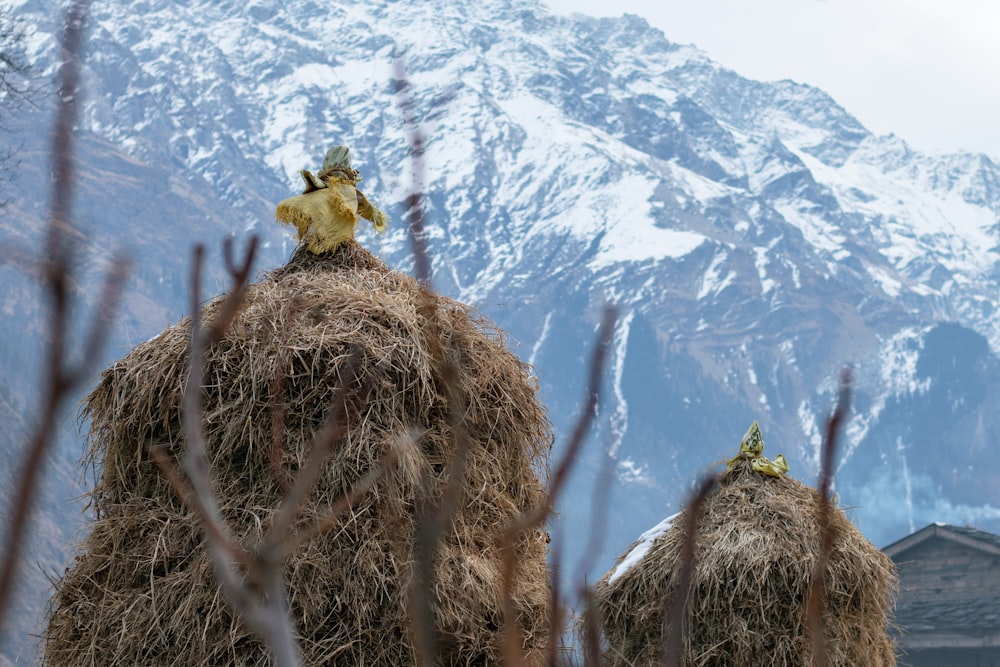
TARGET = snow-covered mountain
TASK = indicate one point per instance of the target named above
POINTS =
(755, 236)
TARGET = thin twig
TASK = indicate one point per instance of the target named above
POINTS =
(430, 526)
(183, 490)
(268, 617)
(239, 275)
(556, 613)
(276, 389)
(433, 518)
(591, 629)
(598, 524)
(414, 202)
(673, 620)
(258, 596)
(538, 515)
(598, 516)
(816, 603)
(60, 231)
(585, 419)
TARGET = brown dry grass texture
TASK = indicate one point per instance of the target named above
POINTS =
(756, 543)
(142, 591)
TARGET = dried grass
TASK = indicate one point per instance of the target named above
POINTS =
(756, 544)
(142, 590)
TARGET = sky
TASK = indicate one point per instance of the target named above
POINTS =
(925, 70)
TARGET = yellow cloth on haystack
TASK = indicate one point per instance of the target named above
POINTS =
(326, 213)
(752, 447)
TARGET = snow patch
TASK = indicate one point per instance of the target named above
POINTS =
(917, 217)
(816, 230)
(901, 450)
(787, 348)
(761, 260)
(713, 280)
(621, 216)
(632, 472)
(889, 285)
(619, 418)
(899, 355)
(898, 372)
(541, 339)
(807, 421)
(644, 242)
(641, 547)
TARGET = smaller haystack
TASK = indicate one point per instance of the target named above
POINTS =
(756, 546)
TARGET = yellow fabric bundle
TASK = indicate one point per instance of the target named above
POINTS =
(326, 213)
(752, 447)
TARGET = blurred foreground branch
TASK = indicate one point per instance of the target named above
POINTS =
(434, 517)
(62, 376)
(605, 334)
(816, 603)
(673, 634)
(265, 612)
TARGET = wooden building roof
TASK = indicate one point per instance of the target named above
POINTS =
(949, 588)
(971, 537)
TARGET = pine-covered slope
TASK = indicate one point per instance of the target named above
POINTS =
(755, 236)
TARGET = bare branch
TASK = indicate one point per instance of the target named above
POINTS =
(59, 233)
(816, 603)
(239, 276)
(674, 618)
(433, 519)
(239, 273)
(258, 596)
(556, 608)
(833, 427)
(537, 517)
(183, 490)
(414, 202)
(265, 615)
(61, 378)
(107, 305)
(598, 524)
(591, 630)
(598, 516)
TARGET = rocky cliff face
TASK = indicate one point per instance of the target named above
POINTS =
(755, 236)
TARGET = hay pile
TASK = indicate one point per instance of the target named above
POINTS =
(142, 592)
(756, 546)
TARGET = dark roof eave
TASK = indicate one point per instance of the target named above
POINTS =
(938, 640)
(939, 530)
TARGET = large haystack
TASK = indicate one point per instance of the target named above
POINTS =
(757, 544)
(142, 592)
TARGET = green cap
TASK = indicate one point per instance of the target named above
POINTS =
(338, 157)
